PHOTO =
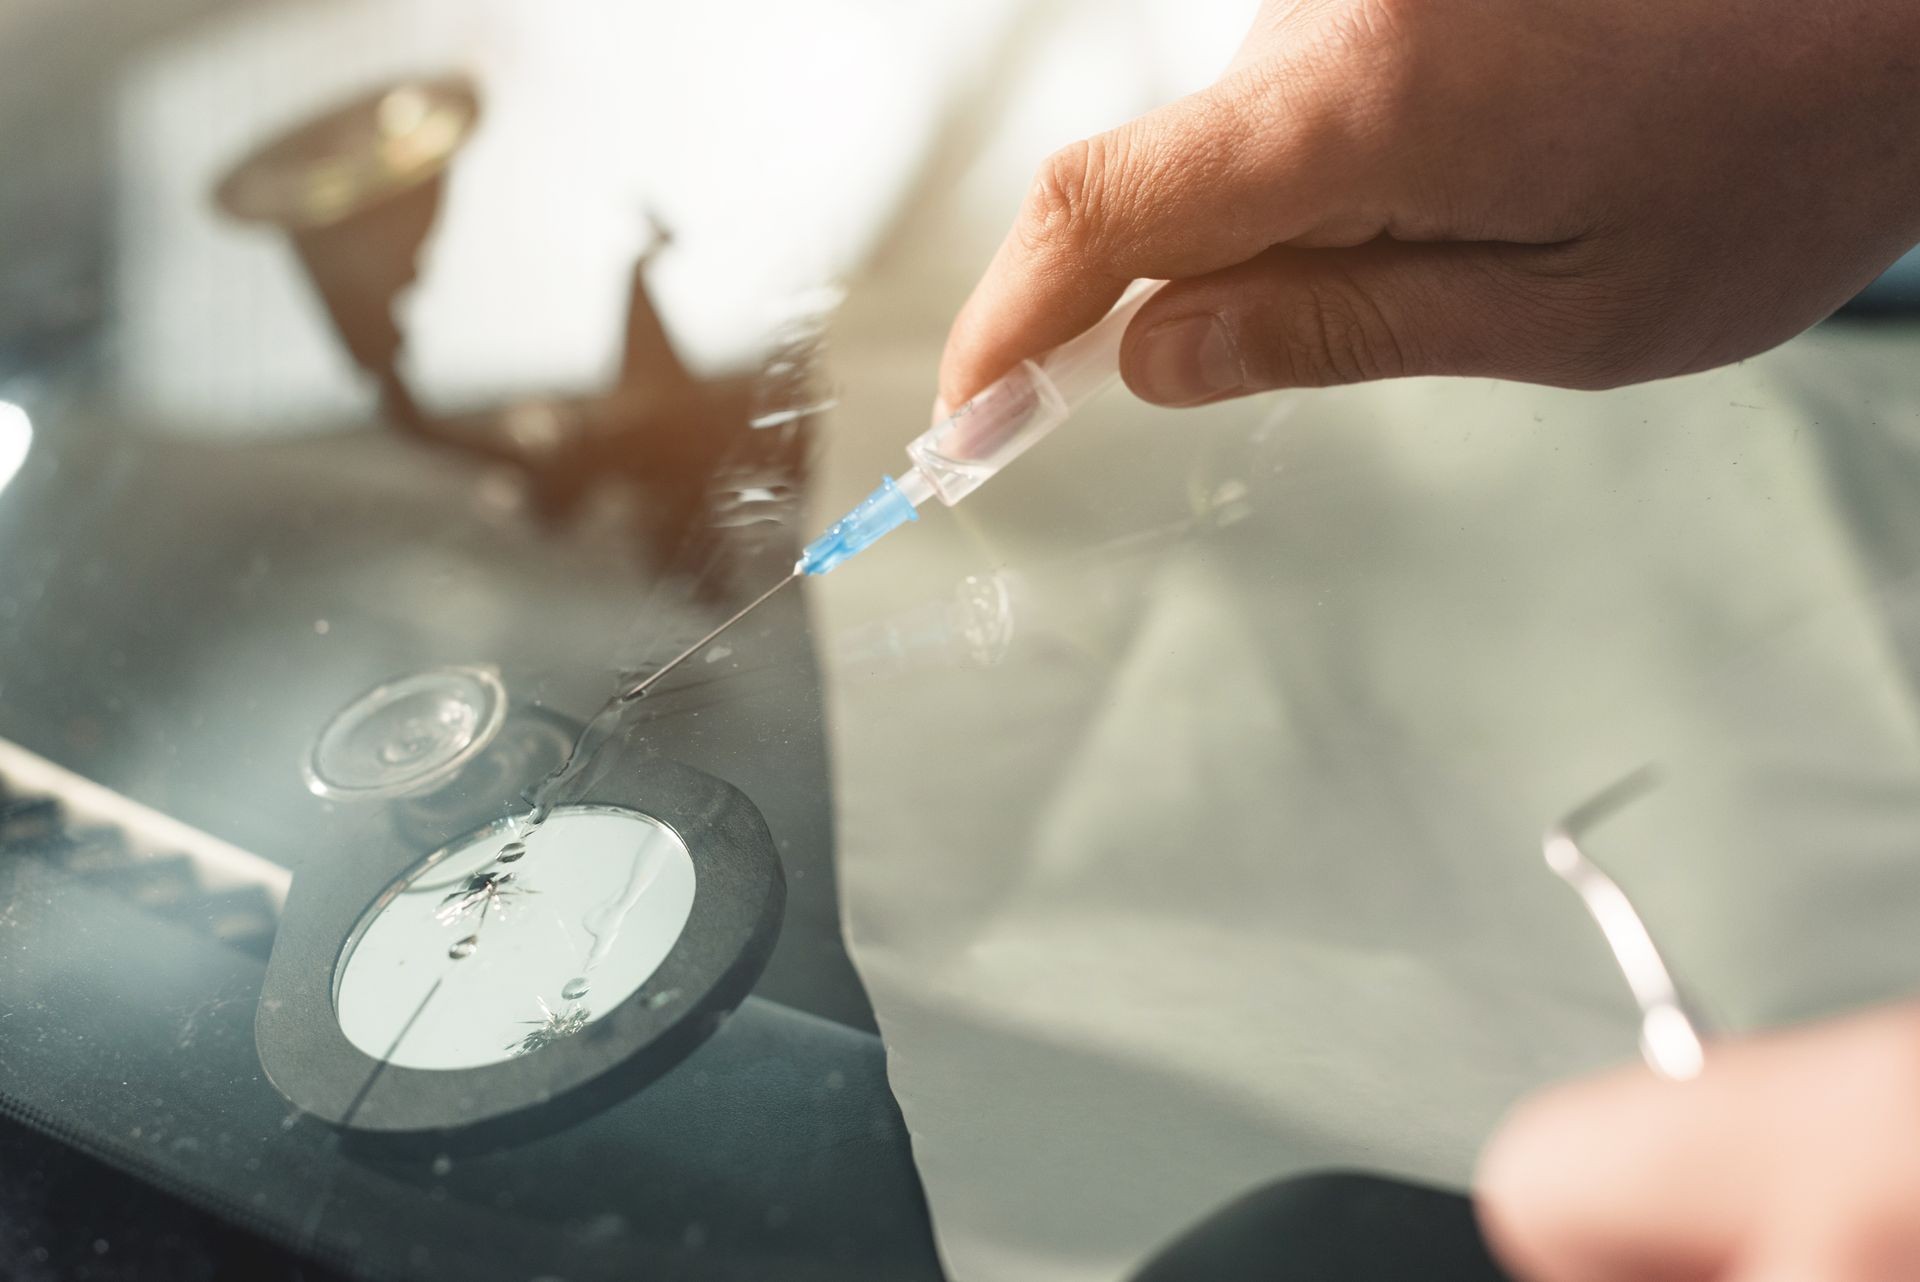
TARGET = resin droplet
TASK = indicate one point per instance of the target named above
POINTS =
(464, 947)
(511, 852)
(575, 988)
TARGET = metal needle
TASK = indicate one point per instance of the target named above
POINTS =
(636, 691)
(1670, 1039)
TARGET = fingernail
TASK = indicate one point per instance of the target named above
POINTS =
(940, 410)
(1186, 361)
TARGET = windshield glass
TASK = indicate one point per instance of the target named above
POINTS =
(388, 390)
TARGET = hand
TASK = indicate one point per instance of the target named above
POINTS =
(1793, 1158)
(1557, 191)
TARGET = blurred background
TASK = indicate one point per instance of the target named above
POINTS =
(1162, 824)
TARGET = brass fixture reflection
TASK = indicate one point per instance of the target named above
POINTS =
(357, 192)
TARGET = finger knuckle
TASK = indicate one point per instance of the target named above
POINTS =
(1373, 44)
(1368, 26)
(1334, 332)
(1597, 324)
(1282, 112)
(1067, 202)
(1348, 78)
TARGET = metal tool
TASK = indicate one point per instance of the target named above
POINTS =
(635, 691)
(1670, 1038)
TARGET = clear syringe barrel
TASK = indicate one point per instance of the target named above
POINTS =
(953, 457)
(1011, 416)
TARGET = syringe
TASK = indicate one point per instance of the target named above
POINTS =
(955, 456)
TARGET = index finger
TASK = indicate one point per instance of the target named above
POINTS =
(1802, 1135)
(1200, 184)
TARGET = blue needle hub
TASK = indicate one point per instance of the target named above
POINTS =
(887, 508)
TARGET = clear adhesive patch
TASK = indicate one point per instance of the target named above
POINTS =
(497, 948)
(408, 735)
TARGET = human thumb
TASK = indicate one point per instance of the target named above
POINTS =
(1319, 317)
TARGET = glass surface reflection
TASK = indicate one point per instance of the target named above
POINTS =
(16, 435)
(499, 946)
(1181, 792)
